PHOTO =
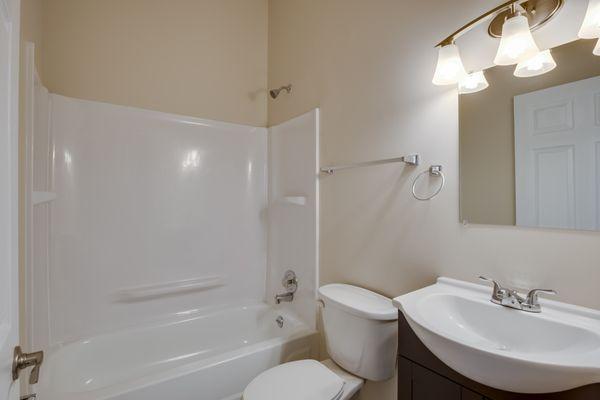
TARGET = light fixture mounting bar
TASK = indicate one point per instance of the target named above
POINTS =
(538, 12)
(450, 39)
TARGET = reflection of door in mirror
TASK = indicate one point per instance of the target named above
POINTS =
(557, 151)
(530, 147)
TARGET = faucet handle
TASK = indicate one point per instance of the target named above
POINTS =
(497, 286)
(532, 303)
(499, 291)
(532, 296)
(484, 278)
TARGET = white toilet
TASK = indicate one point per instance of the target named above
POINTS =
(361, 333)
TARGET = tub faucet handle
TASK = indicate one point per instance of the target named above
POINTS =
(290, 283)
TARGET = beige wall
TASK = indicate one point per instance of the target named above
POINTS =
(368, 65)
(31, 27)
(200, 58)
(487, 132)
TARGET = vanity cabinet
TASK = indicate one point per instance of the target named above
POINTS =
(422, 376)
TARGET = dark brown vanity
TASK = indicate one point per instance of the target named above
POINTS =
(422, 376)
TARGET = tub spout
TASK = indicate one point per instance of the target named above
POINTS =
(287, 297)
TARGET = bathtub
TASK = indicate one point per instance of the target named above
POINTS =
(211, 356)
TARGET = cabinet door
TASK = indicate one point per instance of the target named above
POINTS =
(404, 379)
(427, 385)
(466, 394)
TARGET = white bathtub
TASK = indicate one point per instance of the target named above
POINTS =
(212, 356)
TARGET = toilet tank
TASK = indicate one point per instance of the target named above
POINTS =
(361, 330)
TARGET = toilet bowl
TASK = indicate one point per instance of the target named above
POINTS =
(361, 332)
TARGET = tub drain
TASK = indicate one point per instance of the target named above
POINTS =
(279, 321)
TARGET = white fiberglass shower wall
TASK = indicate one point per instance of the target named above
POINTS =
(154, 214)
(294, 211)
(156, 243)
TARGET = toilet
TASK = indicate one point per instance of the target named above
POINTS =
(361, 333)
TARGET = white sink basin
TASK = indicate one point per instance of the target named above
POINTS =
(556, 350)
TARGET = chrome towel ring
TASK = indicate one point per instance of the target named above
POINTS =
(434, 170)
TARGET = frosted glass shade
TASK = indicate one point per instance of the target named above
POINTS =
(517, 43)
(472, 83)
(590, 29)
(449, 68)
(597, 48)
(536, 65)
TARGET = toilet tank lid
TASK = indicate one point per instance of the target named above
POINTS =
(358, 301)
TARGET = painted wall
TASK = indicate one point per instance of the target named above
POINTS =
(198, 58)
(368, 66)
(487, 132)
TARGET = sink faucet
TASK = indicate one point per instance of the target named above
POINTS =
(511, 298)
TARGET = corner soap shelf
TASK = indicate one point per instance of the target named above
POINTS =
(295, 200)
(42, 197)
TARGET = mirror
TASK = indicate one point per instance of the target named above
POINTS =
(530, 147)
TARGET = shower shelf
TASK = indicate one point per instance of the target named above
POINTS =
(295, 200)
(42, 197)
(170, 288)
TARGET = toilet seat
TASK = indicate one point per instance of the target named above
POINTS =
(297, 380)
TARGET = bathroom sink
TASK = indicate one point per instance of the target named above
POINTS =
(555, 350)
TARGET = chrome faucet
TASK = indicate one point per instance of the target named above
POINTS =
(511, 298)
(290, 283)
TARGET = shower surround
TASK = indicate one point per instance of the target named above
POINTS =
(146, 224)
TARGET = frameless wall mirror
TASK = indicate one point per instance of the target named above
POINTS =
(530, 148)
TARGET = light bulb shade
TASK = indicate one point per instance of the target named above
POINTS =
(472, 83)
(517, 43)
(597, 48)
(449, 68)
(539, 64)
(590, 29)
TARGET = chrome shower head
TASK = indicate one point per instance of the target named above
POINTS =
(275, 92)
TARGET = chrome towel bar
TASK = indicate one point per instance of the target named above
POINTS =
(412, 159)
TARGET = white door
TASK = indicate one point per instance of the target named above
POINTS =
(9, 297)
(557, 156)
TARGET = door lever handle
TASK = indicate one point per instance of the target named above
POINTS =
(24, 360)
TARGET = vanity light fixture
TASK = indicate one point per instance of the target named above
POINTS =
(512, 22)
(517, 44)
(597, 48)
(472, 83)
(450, 69)
(590, 29)
(539, 64)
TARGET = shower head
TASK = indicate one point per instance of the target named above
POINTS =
(275, 92)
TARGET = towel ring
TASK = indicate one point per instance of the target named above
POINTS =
(434, 170)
